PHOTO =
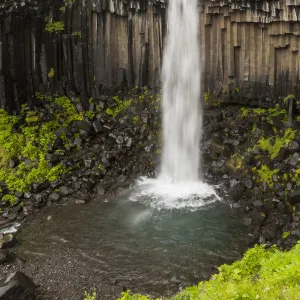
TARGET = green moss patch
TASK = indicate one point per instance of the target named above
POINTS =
(26, 140)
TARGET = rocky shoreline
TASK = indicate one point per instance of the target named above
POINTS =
(111, 152)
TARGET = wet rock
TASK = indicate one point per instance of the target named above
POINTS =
(89, 184)
(247, 221)
(5, 256)
(129, 143)
(269, 231)
(105, 162)
(54, 197)
(296, 233)
(65, 191)
(236, 205)
(97, 126)
(79, 201)
(121, 178)
(82, 196)
(77, 141)
(27, 195)
(281, 208)
(17, 286)
(294, 197)
(293, 145)
(258, 203)
(100, 190)
(52, 157)
(7, 241)
(84, 134)
(83, 125)
(289, 186)
(88, 163)
(119, 140)
(38, 186)
(248, 183)
(295, 159)
(76, 185)
(236, 191)
(268, 129)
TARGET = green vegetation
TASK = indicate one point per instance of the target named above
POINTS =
(135, 96)
(51, 73)
(278, 143)
(261, 274)
(55, 26)
(26, 141)
(77, 34)
(286, 234)
(90, 296)
(122, 104)
(90, 115)
(210, 100)
(266, 114)
(266, 174)
(9, 198)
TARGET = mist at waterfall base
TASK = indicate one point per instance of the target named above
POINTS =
(178, 185)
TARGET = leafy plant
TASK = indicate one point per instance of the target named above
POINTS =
(55, 26)
(90, 296)
(122, 104)
(10, 198)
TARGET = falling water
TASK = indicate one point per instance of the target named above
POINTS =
(178, 185)
(181, 93)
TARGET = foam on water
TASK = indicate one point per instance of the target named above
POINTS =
(163, 193)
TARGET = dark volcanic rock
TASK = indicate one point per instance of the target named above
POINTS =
(54, 197)
(236, 191)
(294, 197)
(17, 286)
(269, 231)
(7, 241)
(5, 256)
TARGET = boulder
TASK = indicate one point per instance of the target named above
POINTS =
(5, 256)
(269, 231)
(294, 197)
(236, 191)
(7, 241)
(17, 286)
(54, 197)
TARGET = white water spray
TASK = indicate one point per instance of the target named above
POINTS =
(181, 93)
(178, 185)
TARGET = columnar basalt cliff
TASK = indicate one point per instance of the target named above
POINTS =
(250, 48)
(87, 46)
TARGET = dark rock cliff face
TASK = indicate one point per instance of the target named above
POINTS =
(87, 46)
(250, 49)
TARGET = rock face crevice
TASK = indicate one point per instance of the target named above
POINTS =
(250, 49)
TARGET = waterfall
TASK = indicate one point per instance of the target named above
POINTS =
(178, 186)
(181, 93)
